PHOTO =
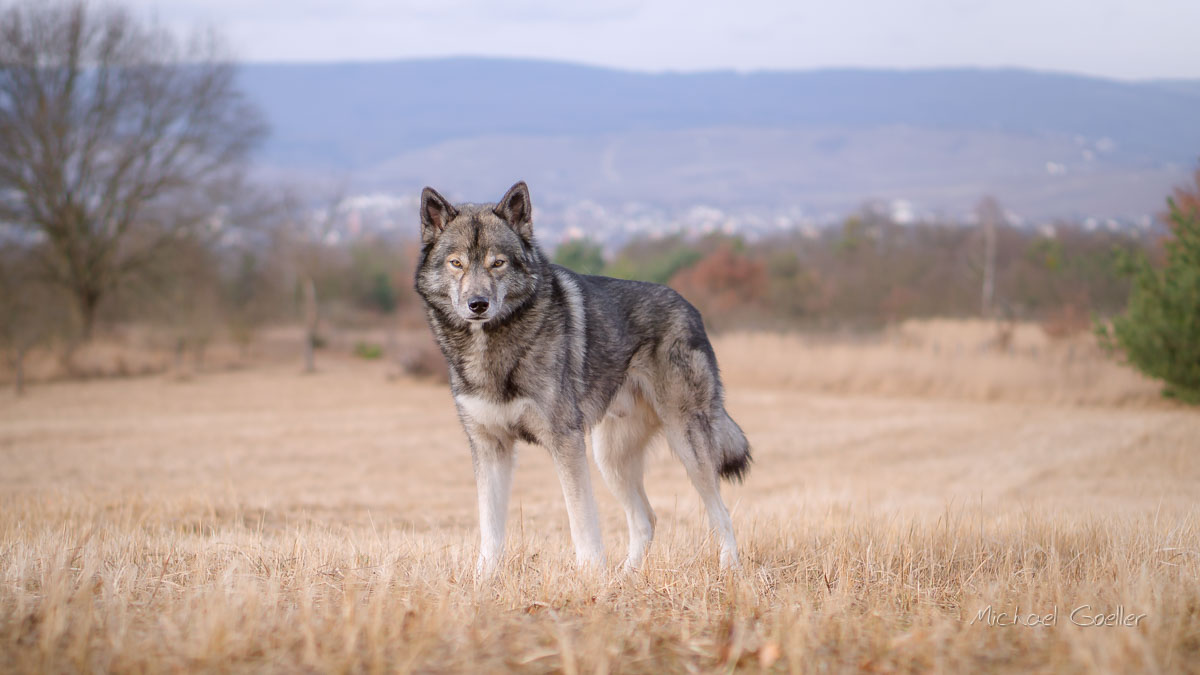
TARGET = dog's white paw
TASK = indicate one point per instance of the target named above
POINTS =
(485, 568)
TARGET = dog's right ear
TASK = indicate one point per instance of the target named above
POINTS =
(436, 213)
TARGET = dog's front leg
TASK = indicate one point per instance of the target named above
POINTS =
(570, 459)
(493, 461)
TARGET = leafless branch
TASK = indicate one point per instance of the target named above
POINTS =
(107, 124)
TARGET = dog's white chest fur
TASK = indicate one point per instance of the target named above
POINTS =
(501, 417)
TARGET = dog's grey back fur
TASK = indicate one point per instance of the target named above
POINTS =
(559, 351)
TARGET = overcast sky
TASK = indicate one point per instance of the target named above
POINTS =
(1123, 39)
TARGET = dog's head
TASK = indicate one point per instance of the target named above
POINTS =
(479, 261)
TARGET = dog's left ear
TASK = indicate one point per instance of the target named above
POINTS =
(517, 210)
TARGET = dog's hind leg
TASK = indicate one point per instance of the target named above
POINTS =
(570, 459)
(619, 442)
(691, 439)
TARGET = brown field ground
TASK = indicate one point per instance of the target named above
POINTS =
(262, 520)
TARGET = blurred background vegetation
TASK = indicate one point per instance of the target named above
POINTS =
(246, 287)
(133, 240)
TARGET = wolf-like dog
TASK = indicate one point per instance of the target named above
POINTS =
(540, 354)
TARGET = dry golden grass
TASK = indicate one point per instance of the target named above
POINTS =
(942, 358)
(261, 520)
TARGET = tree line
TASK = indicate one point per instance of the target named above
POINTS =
(870, 271)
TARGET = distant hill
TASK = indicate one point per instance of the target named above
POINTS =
(1049, 143)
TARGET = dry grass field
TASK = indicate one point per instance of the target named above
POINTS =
(260, 520)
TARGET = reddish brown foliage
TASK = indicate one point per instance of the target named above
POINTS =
(725, 281)
(898, 304)
(1068, 320)
(1188, 198)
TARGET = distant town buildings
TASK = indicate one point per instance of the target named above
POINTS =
(612, 225)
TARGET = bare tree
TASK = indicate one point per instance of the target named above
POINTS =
(115, 137)
(990, 216)
(312, 318)
(307, 238)
(30, 311)
(183, 294)
(248, 296)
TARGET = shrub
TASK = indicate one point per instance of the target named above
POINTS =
(725, 285)
(368, 350)
(653, 260)
(1160, 331)
(417, 355)
(583, 256)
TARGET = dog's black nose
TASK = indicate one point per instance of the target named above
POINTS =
(478, 304)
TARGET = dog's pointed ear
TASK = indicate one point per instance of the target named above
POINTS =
(517, 210)
(436, 213)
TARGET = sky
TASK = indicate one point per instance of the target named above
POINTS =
(1119, 39)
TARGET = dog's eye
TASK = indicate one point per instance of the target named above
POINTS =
(455, 264)
(498, 263)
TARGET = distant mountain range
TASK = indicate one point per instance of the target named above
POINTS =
(1047, 145)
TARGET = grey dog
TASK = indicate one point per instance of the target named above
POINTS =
(540, 354)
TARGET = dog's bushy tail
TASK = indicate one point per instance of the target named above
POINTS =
(733, 450)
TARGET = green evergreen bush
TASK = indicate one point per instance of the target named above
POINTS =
(1160, 330)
